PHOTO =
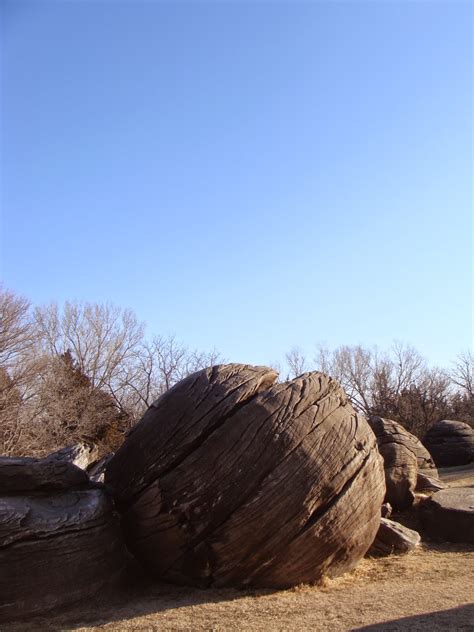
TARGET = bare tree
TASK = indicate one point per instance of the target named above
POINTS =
(462, 373)
(462, 376)
(157, 366)
(16, 366)
(15, 327)
(84, 370)
(296, 361)
(101, 338)
(66, 409)
(354, 368)
(397, 384)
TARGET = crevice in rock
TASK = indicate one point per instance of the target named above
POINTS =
(319, 513)
(192, 447)
(60, 533)
(256, 487)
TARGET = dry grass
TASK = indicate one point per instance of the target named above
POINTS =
(430, 589)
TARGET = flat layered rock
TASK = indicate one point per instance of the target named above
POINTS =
(230, 479)
(448, 515)
(394, 538)
(450, 443)
(398, 449)
(56, 549)
(24, 474)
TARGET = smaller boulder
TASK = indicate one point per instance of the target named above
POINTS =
(393, 537)
(426, 483)
(56, 549)
(450, 443)
(396, 445)
(448, 515)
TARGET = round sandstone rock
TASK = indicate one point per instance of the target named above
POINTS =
(232, 479)
(450, 443)
(398, 449)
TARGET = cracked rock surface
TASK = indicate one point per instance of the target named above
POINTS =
(233, 479)
(450, 443)
(400, 454)
(394, 538)
(60, 540)
(19, 474)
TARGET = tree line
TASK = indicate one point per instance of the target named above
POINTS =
(87, 372)
(397, 384)
(82, 372)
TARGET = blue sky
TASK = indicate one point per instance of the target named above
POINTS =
(249, 176)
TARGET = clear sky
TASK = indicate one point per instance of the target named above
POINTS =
(246, 175)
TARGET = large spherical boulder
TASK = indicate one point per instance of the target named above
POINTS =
(450, 443)
(398, 449)
(232, 479)
(60, 539)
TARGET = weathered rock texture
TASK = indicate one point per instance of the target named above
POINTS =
(386, 510)
(397, 447)
(96, 470)
(393, 537)
(19, 474)
(423, 457)
(450, 443)
(80, 454)
(57, 545)
(230, 479)
(449, 515)
(426, 483)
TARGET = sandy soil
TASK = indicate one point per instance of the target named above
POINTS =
(429, 589)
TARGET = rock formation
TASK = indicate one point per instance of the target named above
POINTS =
(393, 537)
(60, 540)
(231, 479)
(449, 515)
(425, 461)
(386, 510)
(426, 483)
(397, 447)
(96, 470)
(450, 443)
(23, 474)
(80, 454)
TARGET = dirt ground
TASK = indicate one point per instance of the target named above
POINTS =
(429, 589)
